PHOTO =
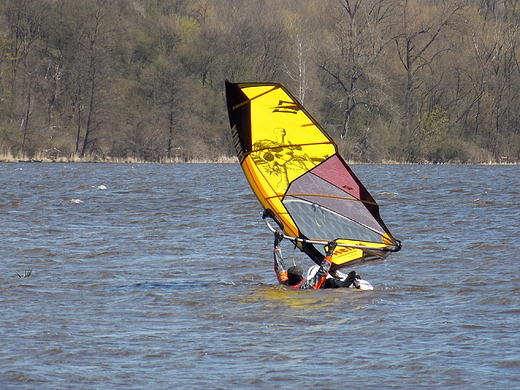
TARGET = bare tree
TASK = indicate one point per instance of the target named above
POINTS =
(353, 58)
(418, 46)
(91, 69)
(26, 19)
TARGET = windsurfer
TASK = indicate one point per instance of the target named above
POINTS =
(293, 276)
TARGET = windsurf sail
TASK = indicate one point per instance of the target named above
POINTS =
(303, 184)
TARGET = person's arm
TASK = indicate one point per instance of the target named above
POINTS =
(319, 278)
(279, 266)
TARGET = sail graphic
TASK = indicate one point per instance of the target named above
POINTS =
(305, 186)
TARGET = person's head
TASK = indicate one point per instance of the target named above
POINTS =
(295, 275)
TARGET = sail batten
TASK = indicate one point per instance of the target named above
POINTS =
(296, 172)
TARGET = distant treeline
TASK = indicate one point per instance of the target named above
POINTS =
(405, 81)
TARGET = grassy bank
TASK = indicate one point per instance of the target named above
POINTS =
(46, 158)
(99, 159)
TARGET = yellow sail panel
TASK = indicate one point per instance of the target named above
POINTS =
(272, 109)
(286, 142)
(345, 254)
(269, 196)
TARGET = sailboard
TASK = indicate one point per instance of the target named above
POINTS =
(303, 184)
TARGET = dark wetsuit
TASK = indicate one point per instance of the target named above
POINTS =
(319, 280)
(314, 283)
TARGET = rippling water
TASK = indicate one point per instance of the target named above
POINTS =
(160, 277)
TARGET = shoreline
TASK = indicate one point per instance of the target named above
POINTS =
(116, 160)
(221, 160)
(8, 158)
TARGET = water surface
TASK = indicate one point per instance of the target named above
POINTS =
(160, 276)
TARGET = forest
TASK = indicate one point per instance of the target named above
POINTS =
(406, 81)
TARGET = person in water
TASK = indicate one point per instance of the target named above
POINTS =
(293, 276)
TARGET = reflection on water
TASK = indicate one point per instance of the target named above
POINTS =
(160, 276)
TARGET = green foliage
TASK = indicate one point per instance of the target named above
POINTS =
(432, 134)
